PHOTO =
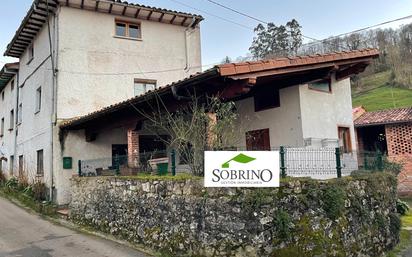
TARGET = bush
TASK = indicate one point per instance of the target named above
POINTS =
(402, 207)
(39, 190)
(392, 167)
(12, 183)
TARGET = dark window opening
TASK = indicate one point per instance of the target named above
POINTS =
(266, 97)
(323, 86)
(258, 140)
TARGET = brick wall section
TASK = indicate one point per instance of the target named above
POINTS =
(133, 148)
(399, 141)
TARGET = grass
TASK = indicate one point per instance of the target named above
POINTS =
(374, 93)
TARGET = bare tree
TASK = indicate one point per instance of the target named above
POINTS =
(204, 123)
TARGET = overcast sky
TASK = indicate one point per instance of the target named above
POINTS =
(319, 19)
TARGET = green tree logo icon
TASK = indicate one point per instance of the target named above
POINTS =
(240, 158)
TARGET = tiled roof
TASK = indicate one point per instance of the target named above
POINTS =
(238, 68)
(7, 73)
(133, 100)
(384, 117)
(246, 67)
(37, 15)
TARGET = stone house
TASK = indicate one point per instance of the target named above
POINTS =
(76, 57)
(297, 102)
(390, 132)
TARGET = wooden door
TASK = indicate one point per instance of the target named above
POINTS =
(258, 140)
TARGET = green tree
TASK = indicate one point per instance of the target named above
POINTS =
(273, 41)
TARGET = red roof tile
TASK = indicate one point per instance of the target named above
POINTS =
(285, 62)
(384, 117)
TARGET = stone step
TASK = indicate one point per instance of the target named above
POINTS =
(63, 213)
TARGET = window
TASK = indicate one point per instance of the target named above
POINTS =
(2, 96)
(2, 127)
(38, 100)
(21, 164)
(11, 120)
(266, 97)
(323, 86)
(142, 86)
(20, 114)
(258, 140)
(345, 143)
(127, 29)
(11, 167)
(30, 53)
(12, 85)
(40, 164)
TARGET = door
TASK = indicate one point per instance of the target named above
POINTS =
(258, 140)
(119, 152)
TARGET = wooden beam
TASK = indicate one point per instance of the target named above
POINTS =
(351, 70)
(28, 32)
(161, 17)
(150, 15)
(237, 88)
(285, 70)
(173, 19)
(137, 13)
(18, 40)
(124, 10)
(38, 20)
(184, 20)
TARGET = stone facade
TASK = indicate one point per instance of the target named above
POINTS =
(354, 216)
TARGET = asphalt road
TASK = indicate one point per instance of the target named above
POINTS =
(26, 235)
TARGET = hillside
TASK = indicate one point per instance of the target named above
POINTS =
(374, 93)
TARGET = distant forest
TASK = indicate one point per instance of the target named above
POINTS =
(395, 46)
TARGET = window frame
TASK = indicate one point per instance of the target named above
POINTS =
(40, 165)
(329, 80)
(127, 26)
(38, 100)
(20, 114)
(21, 164)
(11, 165)
(30, 53)
(12, 121)
(2, 127)
(145, 82)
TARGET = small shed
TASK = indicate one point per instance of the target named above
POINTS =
(390, 132)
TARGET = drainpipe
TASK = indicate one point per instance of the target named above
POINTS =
(17, 114)
(187, 44)
(54, 86)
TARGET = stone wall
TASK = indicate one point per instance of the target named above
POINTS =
(352, 216)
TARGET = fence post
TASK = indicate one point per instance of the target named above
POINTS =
(282, 162)
(117, 164)
(379, 160)
(173, 157)
(338, 162)
(79, 163)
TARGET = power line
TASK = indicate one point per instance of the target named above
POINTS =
(252, 17)
(213, 15)
(133, 73)
(365, 28)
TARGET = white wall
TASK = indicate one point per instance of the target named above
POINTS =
(75, 146)
(284, 122)
(323, 113)
(88, 48)
(8, 139)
